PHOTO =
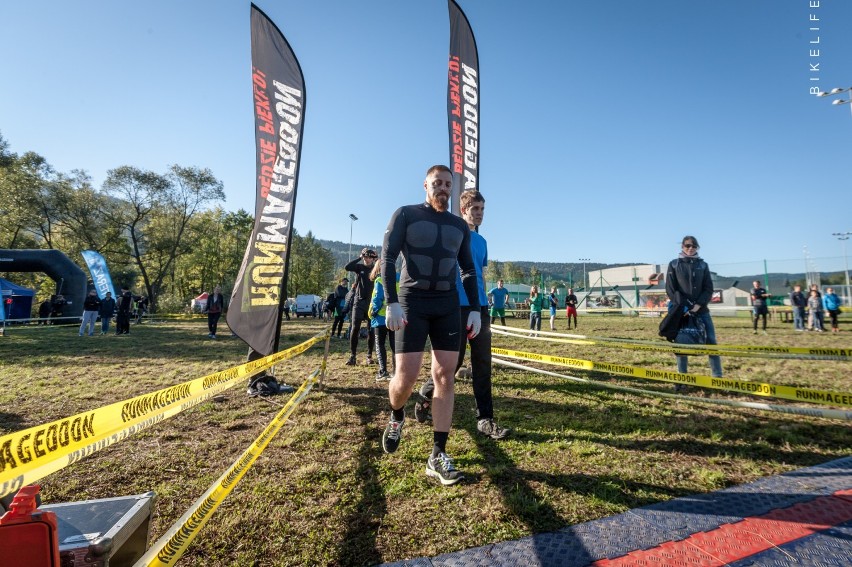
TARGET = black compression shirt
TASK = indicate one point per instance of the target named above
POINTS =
(433, 246)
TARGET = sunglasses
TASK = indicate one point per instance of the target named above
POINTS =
(690, 246)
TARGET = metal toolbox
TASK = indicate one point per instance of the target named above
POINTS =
(109, 532)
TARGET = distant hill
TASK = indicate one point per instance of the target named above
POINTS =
(570, 272)
(340, 250)
(552, 271)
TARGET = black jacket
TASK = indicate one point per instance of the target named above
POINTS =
(363, 283)
(688, 282)
(125, 301)
(91, 303)
(215, 303)
(107, 308)
(671, 323)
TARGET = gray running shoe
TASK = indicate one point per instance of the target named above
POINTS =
(490, 428)
(441, 467)
(422, 408)
(392, 435)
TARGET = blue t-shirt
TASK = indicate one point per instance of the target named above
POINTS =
(479, 251)
(499, 294)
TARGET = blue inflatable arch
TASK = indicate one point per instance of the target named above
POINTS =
(70, 279)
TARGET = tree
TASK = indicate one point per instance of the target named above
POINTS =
(14, 214)
(29, 205)
(155, 211)
(535, 276)
(512, 273)
(311, 267)
(217, 241)
(492, 271)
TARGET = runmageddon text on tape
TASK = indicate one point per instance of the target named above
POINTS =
(826, 413)
(31, 454)
(807, 353)
(172, 545)
(728, 384)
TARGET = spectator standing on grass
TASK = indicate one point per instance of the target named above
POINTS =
(536, 302)
(553, 300)
(434, 244)
(759, 299)
(106, 311)
(497, 299)
(815, 311)
(571, 307)
(91, 306)
(328, 307)
(44, 311)
(378, 307)
(831, 303)
(689, 285)
(58, 307)
(141, 307)
(214, 307)
(361, 267)
(122, 317)
(339, 302)
(472, 207)
(798, 303)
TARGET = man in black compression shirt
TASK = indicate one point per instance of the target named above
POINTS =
(433, 242)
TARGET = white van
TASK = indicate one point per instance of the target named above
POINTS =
(305, 305)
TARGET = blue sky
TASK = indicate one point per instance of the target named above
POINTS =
(609, 129)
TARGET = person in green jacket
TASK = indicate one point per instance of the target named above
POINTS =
(536, 302)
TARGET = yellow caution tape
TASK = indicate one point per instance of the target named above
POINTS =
(793, 410)
(172, 545)
(808, 353)
(728, 384)
(31, 454)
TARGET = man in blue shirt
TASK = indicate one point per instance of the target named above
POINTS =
(472, 206)
(498, 296)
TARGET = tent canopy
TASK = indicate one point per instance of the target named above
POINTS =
(17, 301)
(8, 288)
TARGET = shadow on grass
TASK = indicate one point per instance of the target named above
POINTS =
(521, 497)
(185, 341)
(750, 435)
(358, 544)
(11, 421)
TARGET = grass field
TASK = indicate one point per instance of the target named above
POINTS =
(323, 493)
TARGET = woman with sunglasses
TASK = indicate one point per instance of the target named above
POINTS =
(688, 285)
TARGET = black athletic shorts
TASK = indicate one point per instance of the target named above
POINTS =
(433, 315)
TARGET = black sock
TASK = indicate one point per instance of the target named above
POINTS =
(440, 442)
(398, 414)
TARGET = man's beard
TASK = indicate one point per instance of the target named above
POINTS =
(438, 203)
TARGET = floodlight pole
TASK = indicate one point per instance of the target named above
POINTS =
(585, 287)
(352, 219)
(843, 237)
